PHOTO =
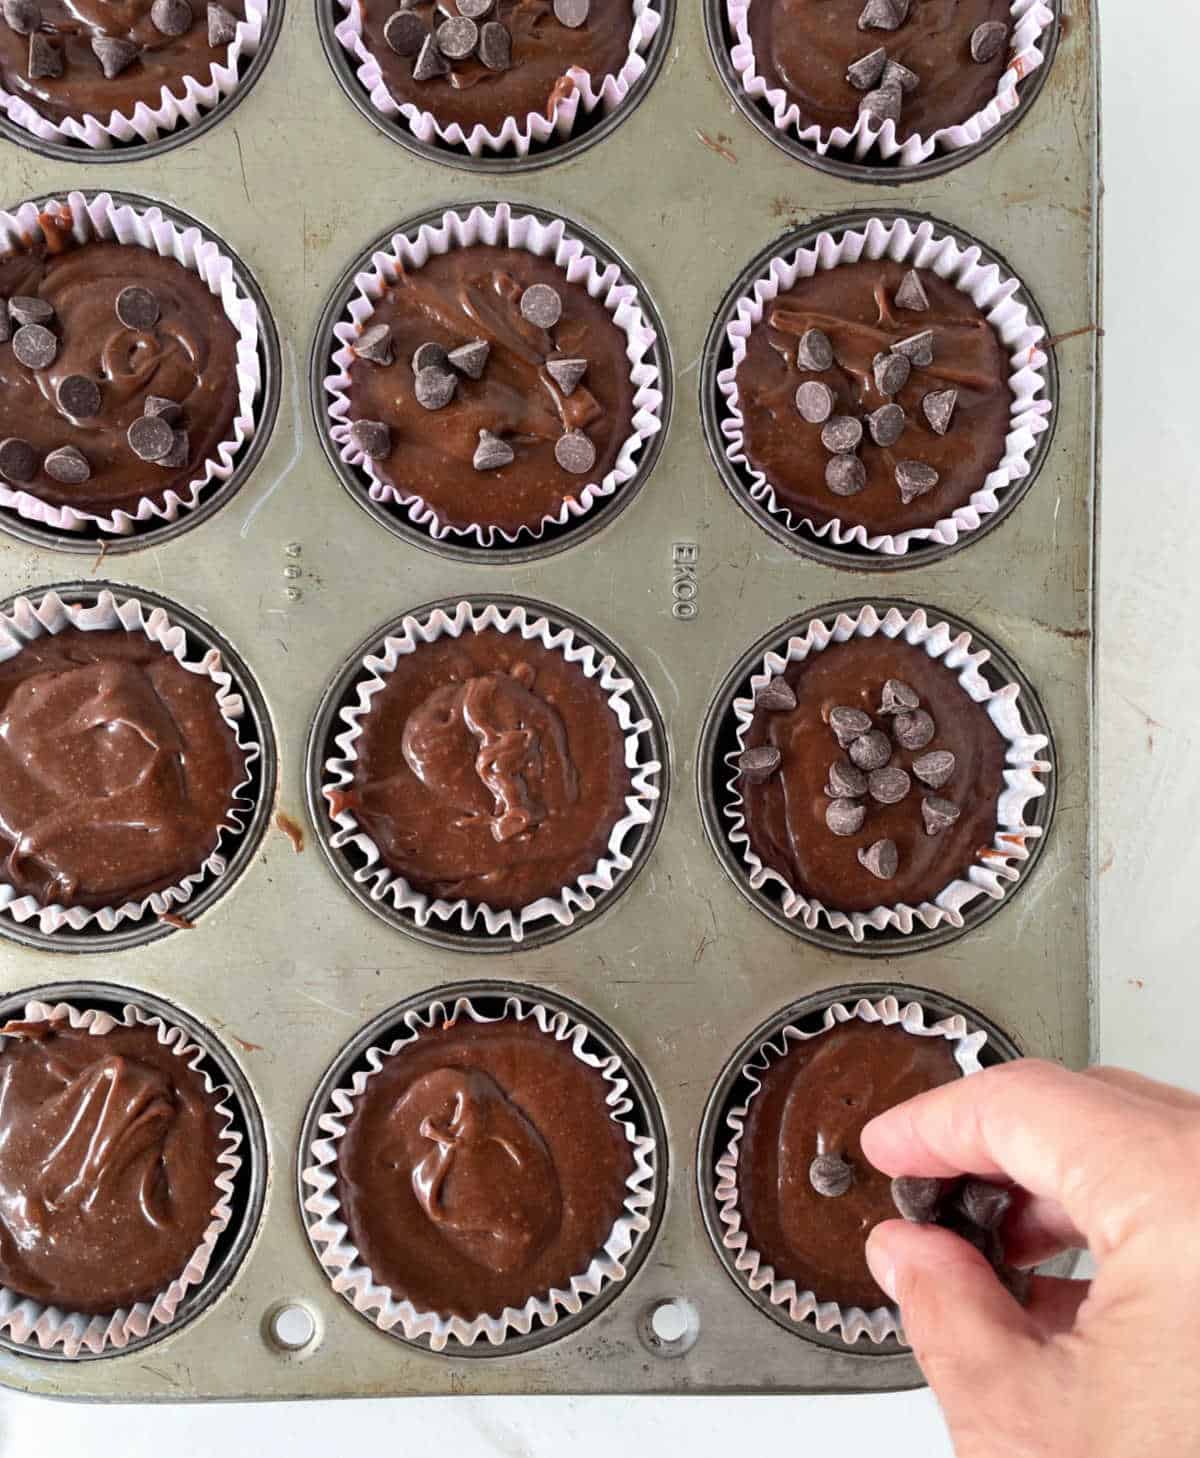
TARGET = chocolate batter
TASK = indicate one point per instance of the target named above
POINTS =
(785, 815)
(489, 768)
(543, 50)
(473, 293)
(817, 1100)
(188, 356)
(116, 769)
(854, 305)
(108, 1165)
(83, 88)
(806, 47)
(481, 1167)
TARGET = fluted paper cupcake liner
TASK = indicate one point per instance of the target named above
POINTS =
(101, 217)
(994, 292)
(29, 619)
(640, 804)
(1031, 20)
(802, 1306)
(194, 96)
(518, 133)
(353, 1279)
(997, 866)
(500, 227)
(48, 1327)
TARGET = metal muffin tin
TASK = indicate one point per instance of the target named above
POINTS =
(286, 970)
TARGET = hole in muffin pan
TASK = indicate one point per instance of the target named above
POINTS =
(669, 1328)
(249, 72)
(394, 517)
(588, 130)
(262, 774)
(91, 539)
(250, 1183)
(489, 999)
(719, 738)
(718, 356)
(346, 860)
(291, 1328)
(838, 164)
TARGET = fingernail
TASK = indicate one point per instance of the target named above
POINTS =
(881, 1265)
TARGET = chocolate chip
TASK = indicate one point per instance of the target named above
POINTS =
(434, 388)
(845, 475)
(938, 814)
(814, 352)
(830, 1175)
(475, 9)
(541, 305)
(848, 724)
(430, 357)
(914, 479)
(894, 74)
(26, 309)
(67, 465)
(913, 730)
(172, 17)
(882, 859)
(891, 373)
(457, 38)
(898, 697)
(814, 401)
(842, 434)
(178, 455)
(917, 349)
(574, 452)
(169, 410)
(889, 786)
(778, 696)
(988, 40)
(495, 46)
(911, 294)
(150, 437)
(5, 326)
(566, 373)
(938, 406)
(872, 751)
(222, 25)
(23, 16)
(34, 346)
(886, 424)
(935, 768)
(374, 344)
(845, 817)
(17, 460)
(882, 15)
(470, 359)
(917, 1198)
(492, 453)
(430, 62)
(79, 396)
(757, 765)
(137, 308)
(863, 73)
(571, 13)
(372, 437)
(846, 781)
(983, 1203)
(884, 104)
(45, 58)
(114, 53)
(405, 32)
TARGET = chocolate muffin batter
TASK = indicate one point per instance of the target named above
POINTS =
(542, 51)
(187, 357)
(156, 59)
(116, 769)
(473, 294)
(489, 768)
(108, 1165)
(481, 1167)
(806, 47)
(855, 307)
(816, 1100)
(786, 813)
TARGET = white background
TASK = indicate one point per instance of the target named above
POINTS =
(1149, 805)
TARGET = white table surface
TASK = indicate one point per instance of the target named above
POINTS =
(1149, 852)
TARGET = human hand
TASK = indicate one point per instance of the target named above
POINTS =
(1105, 1160)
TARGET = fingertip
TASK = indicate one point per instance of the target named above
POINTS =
(881, 1261)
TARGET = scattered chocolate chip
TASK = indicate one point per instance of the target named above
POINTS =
(17, 460)
(34, 346)
(492, 453)
(495, 46)
(983, 1203)
(374, 344)
(222, 25)
(863, 73)
(26, 309)
(178, 455)
(470, 359)
(848, 724)
(830, 1175)
(172, 17)
(45, 58)
(872, 751)
(988, 40)
(917, 349)
(882, 15)
(405, 32)
(79, 396)
(898, 697)
(935, 768)
(430, 357)
(114, 54)
(430, 62)
(939, 409)
(890, 785)
(23, 16)
(915, 478)
(842, 434)
(845, 475)
(575, 452)
(886, 424)
(566, 373)
(938, 814)
(845, 817)
(150, 437)
(434, 388)
(911, 294)
(882, 859)
(169, 410)
(894, 74)
(475, 9)
(891, 373)
(814, 401)
(457, 37)
(814, 352)
(914, 729)
(67, 465)
(137, 308)
(541, 305)
(916, 1198)
(571, 13)
(778, 696)
(846, 781)
(757, 765)
(884, 104)
(5, 325)
(372, 437)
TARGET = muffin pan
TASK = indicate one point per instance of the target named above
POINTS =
(285, 970)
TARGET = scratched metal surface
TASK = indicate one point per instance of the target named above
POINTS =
(286, 966)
